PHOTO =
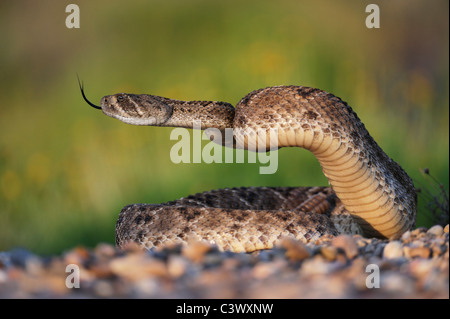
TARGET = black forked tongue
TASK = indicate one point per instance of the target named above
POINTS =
(84, 96)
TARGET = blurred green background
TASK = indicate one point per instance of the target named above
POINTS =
(66, 170)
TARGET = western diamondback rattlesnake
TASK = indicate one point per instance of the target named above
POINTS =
(370, 194)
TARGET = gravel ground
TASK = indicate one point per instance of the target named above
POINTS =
(413, 266)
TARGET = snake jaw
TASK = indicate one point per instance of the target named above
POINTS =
(84, 96)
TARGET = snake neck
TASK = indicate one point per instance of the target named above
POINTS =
(200, 114)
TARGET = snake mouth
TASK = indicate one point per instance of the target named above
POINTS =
(85, 98)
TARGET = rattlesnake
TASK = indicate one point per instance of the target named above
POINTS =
(370, 194)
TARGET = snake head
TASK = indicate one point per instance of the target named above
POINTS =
(137, 109)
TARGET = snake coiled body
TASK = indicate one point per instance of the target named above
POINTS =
(370, 194)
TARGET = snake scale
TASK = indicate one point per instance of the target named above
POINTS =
(370, 194)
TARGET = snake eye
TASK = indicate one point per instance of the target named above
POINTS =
(120, 97)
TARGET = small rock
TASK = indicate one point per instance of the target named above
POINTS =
(393, 250)
(418, 231)
(446, 229)
(20, 257)
(137, 266)
(369, 249)
(295, 250)
(329, 252)
(361, 242)
(347, 243)
(105, 250)
(378, 252)
(315, 266)
(99, 270)
(213, 259)
(196, 250)
(176, 266)
(436, 230)
(438, 248)
(406, 236)
(77, 256)
(27, 260)
(417, 243)
(265, 270)
(421, 268)
(266, 255)
(422, 252)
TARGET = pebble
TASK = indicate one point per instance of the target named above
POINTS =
(406, 235)
(347, 243)
(77, 256)
(105, 250)
(176, 266)
(418, 231)
(265, 270)
(315, 266)
(421, 267)
(412, 252)
(329, 252)
(24, 258)
(436, 230)
(196, 251)
(416, 265)
(295, 250)
(393, 250)
(137, 266)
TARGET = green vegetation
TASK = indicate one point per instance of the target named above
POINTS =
(436, 200)
(66, 170)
